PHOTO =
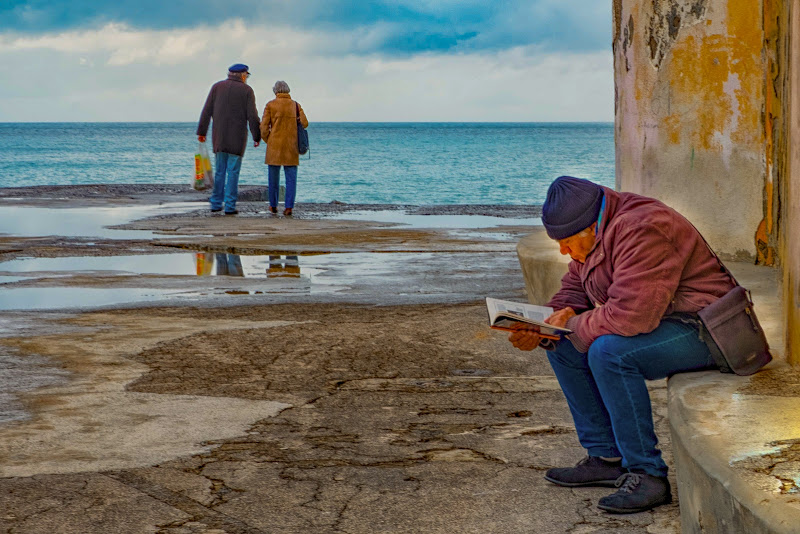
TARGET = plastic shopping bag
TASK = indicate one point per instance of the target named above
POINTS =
(203, 175)
(204, 263)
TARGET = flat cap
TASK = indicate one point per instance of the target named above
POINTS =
(238, 67)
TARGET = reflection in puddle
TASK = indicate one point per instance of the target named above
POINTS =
(203, 264)
(283, 267)
(235, 275)
(216, 264)
(342, 265)
(226, 264)
(208, 263)
(180, 264)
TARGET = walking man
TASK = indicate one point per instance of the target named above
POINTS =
(232, 105)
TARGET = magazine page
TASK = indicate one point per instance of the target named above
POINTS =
(529, 311)
(503, 314)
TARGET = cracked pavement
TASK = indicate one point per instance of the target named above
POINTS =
(324, 414)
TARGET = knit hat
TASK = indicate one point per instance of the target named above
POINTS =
(572, 205)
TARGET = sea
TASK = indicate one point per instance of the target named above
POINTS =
(358, 163)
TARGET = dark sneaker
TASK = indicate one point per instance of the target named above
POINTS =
(234, 212)
(273, 209)
(591, 471)
(216, 209)
(637, 492)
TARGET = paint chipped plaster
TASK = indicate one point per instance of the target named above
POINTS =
(689, 114)
(780, 461)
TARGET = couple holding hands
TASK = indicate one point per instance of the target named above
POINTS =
(231, 104)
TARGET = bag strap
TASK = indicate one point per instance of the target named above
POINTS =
(719, 261)
(297, 111)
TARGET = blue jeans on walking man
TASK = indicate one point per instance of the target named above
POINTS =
(226, 191)
(274, 175)
(607, 394)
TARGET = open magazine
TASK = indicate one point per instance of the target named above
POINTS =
(505, 315)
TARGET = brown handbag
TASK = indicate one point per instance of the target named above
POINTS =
(737, 341)
(730, 329)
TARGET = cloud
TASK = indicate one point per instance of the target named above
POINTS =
(120, 73)
(395, 27)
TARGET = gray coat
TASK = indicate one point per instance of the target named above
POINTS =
(232, 105)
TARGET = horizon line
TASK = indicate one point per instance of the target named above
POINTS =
(318, 122)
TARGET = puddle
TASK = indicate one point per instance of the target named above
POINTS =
(49, 298)
(433, 221)
(178, 264)
(283, 271)
(25, 221)
(402, 274)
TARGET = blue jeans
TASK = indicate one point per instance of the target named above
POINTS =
(607, 394)
(274, 173)
(229, 265)
(227, 164)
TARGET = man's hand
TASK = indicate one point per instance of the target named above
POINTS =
(561, 317)
(525, 338)
(201, 138)
(256, 143)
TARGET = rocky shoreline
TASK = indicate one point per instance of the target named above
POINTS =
(160, 193)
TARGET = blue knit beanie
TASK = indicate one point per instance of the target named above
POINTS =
(572, 205)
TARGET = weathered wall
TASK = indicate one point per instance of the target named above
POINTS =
(790, 194)
(690, 78)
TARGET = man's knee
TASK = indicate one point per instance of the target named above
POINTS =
(605, 351)
(564, 353)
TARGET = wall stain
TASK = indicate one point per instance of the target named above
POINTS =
(666, 22)
(674, 22)
(626, 41)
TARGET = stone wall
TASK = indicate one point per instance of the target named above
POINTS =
(690, 121)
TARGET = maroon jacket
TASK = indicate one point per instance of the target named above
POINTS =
(647, 261)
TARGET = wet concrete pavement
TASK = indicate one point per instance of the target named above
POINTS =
(357, 390)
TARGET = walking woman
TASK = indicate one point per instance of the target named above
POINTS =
(279, 131)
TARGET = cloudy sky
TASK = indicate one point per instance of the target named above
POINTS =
(345, 60)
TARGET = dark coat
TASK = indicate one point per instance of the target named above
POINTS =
(232, 105)
(648, 261)
(279, 130)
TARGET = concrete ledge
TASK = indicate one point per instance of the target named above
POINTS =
(737, 452)
(542, 265)
(736, 440)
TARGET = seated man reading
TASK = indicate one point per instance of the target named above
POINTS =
(639, 274)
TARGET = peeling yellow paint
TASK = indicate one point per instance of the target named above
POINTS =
(719, 77)
(774, 12)
(673, 124)
(689, 115)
